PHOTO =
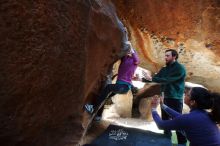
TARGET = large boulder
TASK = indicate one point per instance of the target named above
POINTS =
(53, 55)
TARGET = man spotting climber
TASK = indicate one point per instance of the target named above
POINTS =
(123, 84)
(172, 80)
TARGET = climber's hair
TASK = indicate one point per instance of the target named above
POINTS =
(207, 100)
(173, 52)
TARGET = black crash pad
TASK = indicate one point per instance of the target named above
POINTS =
(124, 136)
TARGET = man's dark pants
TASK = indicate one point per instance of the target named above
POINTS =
(176, 105)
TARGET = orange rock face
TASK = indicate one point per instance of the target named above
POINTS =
(54, 55)
(191, 27)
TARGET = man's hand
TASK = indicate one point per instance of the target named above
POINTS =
(146, 76)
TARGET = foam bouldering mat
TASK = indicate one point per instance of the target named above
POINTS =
(124, 136)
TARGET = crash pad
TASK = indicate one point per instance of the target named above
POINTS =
(116, 135)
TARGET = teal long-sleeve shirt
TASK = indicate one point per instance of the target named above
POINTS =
(172, 79)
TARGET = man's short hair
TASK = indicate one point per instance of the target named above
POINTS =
(173, 52)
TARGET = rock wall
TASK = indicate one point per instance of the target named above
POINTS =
(192, 27)
(53, 54)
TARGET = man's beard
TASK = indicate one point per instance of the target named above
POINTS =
(168, 63)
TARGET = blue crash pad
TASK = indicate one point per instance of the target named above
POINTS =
(124, 136)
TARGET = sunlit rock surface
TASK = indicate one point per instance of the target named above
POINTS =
(192, 27)
(121, 107)
(55, 54)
